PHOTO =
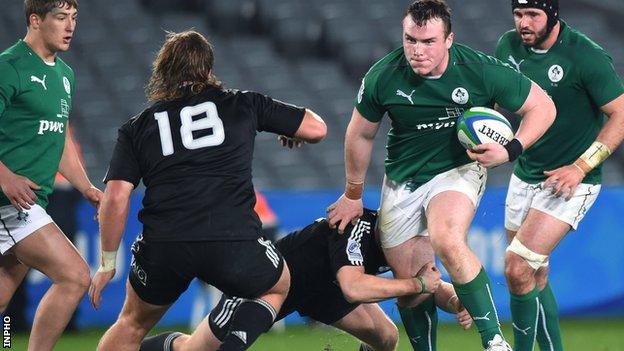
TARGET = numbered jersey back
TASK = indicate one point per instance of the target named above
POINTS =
(194, 156)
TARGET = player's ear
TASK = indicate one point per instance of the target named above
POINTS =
(34, 20)
(449, 40)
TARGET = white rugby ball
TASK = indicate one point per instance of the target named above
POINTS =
(482, 125)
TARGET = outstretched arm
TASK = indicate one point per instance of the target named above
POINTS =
(359, 141)
(359, 287)
(113, 216)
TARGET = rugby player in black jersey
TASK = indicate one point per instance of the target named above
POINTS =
(193, 150)
(332, 281)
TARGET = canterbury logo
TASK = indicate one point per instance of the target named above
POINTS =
(408, 97)
(40, 81)
(523, 331)
(270, 251)
(484, 318)
(513, 62)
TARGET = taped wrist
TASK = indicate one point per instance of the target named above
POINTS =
(354, 190)
(514, 149)
(592, 157)
(109, 260)
(423, 286)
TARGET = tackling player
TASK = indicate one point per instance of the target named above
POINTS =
(36, 93)
(432, 187)
(555, 182)
(193, 150)
(332, 281)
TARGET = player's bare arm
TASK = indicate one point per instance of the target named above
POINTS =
(71, 168)
(312, 130)
(564, 180)
(359, 287)
(359, 141)
(113, 216)
(447, 300)
(538, 114)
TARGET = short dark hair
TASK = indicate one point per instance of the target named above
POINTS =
(422, 11)
(42, 7)
(182, 67)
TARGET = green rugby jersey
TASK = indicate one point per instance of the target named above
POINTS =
(580, 77)
(35, 103)
(422, 142)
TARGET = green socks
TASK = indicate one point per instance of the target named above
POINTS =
(524, 314)
(421, 324)
(548, 332)
(476, 296)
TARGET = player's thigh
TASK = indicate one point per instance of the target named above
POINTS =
(369, 323)
(401, 213)
(407, 258)
(518, 201)
(139, 314)
(49, 251)
(457, 192)
(541, 232)
(12, 272)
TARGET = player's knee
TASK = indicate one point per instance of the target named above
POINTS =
(541, 277)
(131, 328)
(446, 249)
(387, 338)
(80, 279)
(517, 270)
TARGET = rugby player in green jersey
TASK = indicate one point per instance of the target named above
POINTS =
(36, 90)
(555, 182)
(432, 186)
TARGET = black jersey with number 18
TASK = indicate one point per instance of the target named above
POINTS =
(194, 156)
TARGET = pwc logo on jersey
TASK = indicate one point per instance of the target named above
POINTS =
(50, 126)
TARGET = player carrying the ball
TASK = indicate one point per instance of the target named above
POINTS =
(555, 182)
(432, 186)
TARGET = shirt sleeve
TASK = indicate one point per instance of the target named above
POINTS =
(275, 116)
(124, 164)
(9, 85)
(348, 249)
(600, 79)
(507, 87)
(367, 102)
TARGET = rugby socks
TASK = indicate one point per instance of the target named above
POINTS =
(476, 296)
(548, 331)
(252, 318)
(524, 314)
(421, 324)
(160, 342)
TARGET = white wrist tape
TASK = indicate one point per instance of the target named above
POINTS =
(595, 155)
(109, 260)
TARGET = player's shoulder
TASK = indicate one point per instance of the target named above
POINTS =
(387, 65)
(11, 58)
(64, 66)
(508, 40)
(466, 56)
(580, 45)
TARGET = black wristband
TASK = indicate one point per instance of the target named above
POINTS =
(514, 149)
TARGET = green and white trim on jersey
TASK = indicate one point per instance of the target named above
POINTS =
(422, 142)
(35, 104)
(579, 76)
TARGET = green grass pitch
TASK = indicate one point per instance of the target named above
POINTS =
(579, 335)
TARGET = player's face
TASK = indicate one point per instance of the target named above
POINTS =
(531, 25)
(57, 28)
(426, 47)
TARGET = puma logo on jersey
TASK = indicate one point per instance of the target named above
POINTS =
(399, 92)
(513, 62)
(40, 81)
(523, 331)
(484, 318)
(50, 126)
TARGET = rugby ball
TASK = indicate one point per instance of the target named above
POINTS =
(482, 125)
